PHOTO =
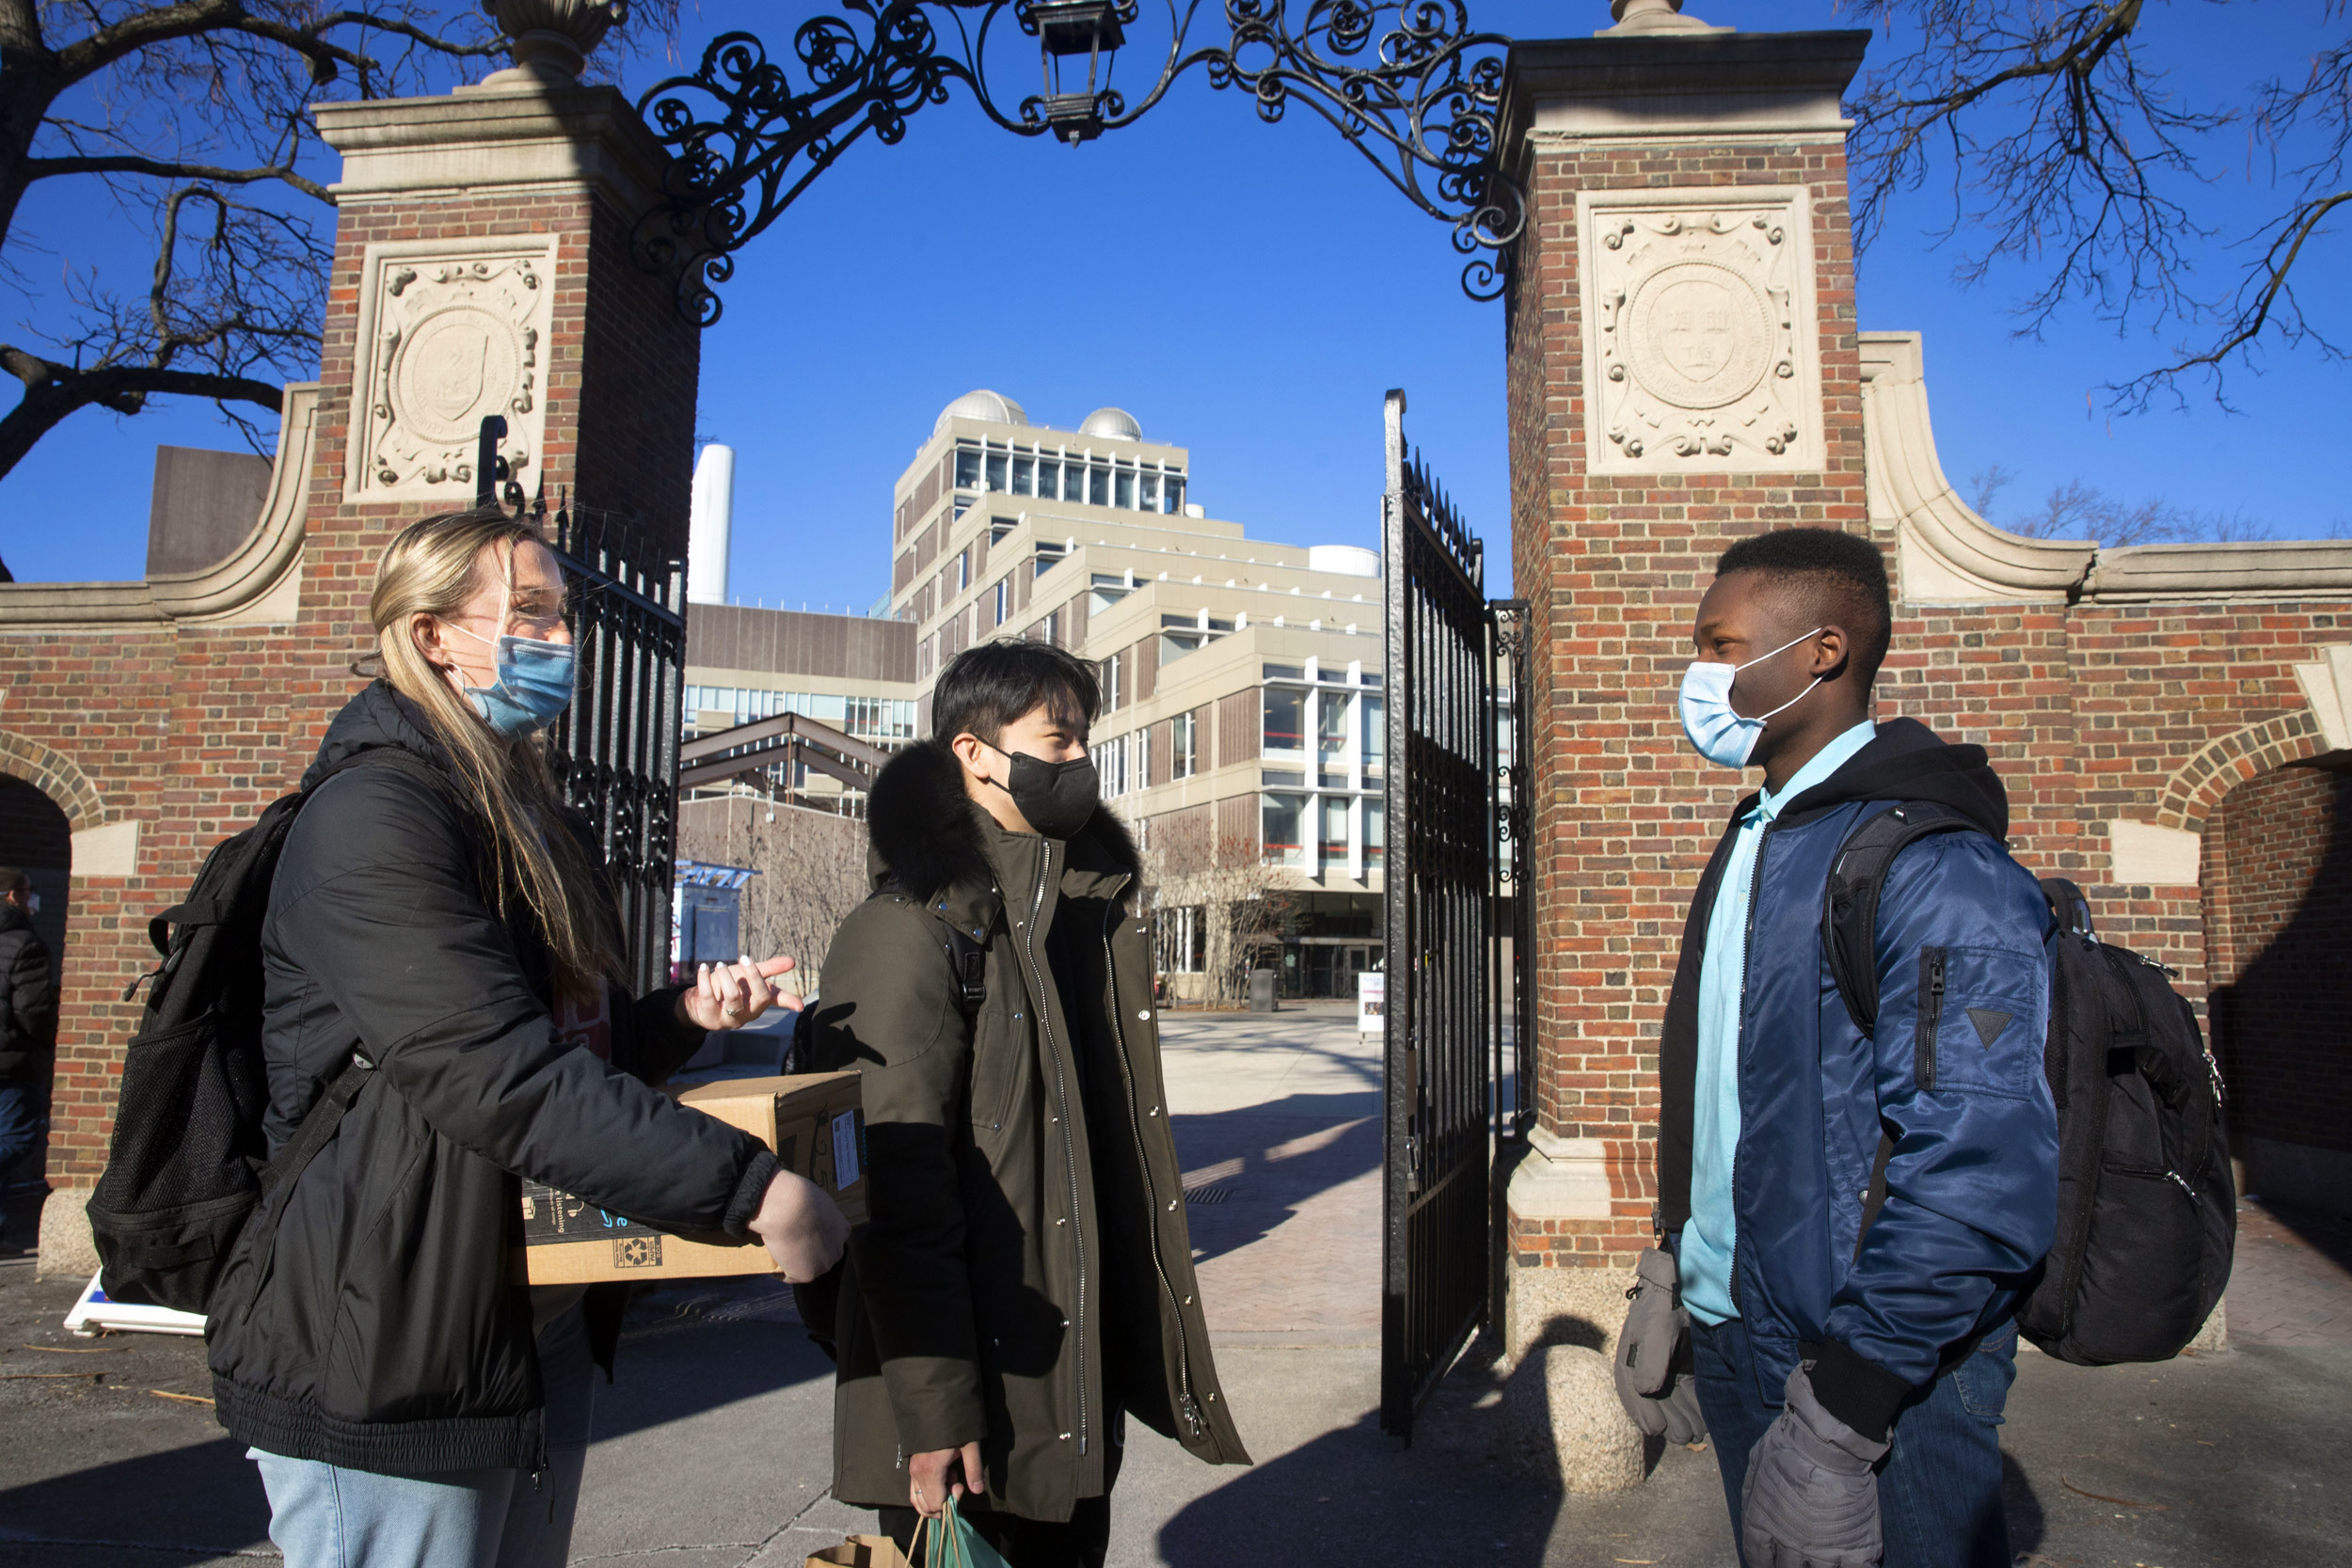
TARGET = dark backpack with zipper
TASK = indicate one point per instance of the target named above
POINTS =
(188, 1160)
(2147, 1208)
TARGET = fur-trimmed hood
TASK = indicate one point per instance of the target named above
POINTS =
(930, 839)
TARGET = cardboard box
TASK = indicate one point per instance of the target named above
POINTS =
(815, 1122)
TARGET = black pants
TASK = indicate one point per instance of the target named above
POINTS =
(1082, 1543)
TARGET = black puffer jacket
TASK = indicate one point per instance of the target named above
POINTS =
(385, 1329)
(28, 1000)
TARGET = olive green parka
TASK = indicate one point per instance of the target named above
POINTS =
(1026, 1274)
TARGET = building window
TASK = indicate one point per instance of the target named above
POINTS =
(1099, 486)
(1124, 491)
(1112, 669)
(996, 472)
(1333, 843)
(1048, 479)
(1024, 476)
(967, 468)
(1181, 748)
(1110, 767)
(1052, 627)
(1376, 832)
(1375, 730)
(1140, 741)
(1172, 495)
(1331, 730)
(1281, 821)
(1150, 492)
(964, 569)
(1004, 601)
(1285, 718)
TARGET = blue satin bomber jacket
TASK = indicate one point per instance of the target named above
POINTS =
(1972, 1180)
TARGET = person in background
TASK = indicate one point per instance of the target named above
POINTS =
(1853, 1217)
(1025, 1282)
(28, 1022)
(441, 916)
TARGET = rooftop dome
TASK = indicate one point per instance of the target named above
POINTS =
(1112, 424)
(994, 408)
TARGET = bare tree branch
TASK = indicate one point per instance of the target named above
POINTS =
(50, 168)
(53, 391)
(2266, 303)
(2066, 156)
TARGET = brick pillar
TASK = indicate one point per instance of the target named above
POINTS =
(1682, 372)
(482, 265)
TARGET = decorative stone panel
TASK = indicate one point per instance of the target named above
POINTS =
(450, 331)
(1702, 349)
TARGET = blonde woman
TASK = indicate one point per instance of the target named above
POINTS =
(440, 916)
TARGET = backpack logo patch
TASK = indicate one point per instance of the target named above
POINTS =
(1989, 1022)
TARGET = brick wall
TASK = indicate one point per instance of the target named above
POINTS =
(2093, 710)
(2278, 913)
(1612, 567)
(191, 729)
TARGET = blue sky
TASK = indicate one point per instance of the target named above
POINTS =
(1250, 290)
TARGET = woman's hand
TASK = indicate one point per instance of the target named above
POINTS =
(802, 1227)
(729, 996)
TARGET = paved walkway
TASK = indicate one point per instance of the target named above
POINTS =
(713, 1447)
(2292, 1282)
(1277, 1119)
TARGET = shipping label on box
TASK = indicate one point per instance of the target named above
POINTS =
(815, 1122)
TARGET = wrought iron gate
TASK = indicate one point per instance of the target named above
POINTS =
(616, 749)
(1439, 773)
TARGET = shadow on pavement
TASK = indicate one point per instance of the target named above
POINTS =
(2328, 1234)
(1355, 1497)
(1268, 1159)
(702, 1344)
(201, 1501)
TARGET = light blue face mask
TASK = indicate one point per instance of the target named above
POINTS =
(534, 685)
(1718, 733)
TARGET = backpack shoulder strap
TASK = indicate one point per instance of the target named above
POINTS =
(967, 961)
(1857, 878)
(2069, 907)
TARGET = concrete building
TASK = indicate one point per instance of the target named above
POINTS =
(1241, 730)
(851, 671)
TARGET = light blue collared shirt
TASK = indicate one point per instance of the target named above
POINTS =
(1708, 1240)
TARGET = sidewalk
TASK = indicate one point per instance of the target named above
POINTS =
(713, 1447)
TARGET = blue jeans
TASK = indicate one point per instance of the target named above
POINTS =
(22, 1114)
(1940, 1488)
(327, 1516)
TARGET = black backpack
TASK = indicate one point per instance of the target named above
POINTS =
(188, 1160)
(2147, 1209)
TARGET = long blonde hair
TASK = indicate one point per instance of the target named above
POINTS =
(435, 566)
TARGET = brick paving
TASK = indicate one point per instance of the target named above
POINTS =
(2292, 1283)
(1278, 1123)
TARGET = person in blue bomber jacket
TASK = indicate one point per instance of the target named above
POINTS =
(1852, 1351)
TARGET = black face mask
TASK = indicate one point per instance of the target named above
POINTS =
(1057, 798)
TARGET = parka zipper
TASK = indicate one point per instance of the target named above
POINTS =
(1061, 1096)
(1143, 1159)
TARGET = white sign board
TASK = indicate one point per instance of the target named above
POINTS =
(1372, 994)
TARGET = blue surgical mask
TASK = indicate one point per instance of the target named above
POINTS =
(1718, 733)
(534, 685)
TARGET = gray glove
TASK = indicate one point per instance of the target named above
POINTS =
(1660, 1395)
(1811, 1500)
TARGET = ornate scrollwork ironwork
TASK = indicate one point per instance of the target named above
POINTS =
(1406, 83)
